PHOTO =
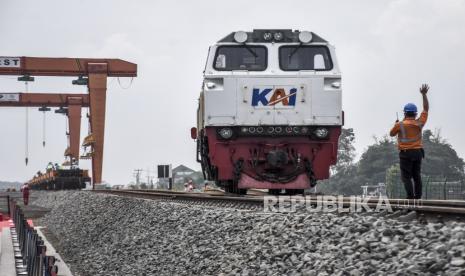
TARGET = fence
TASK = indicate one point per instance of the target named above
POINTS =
(4, 204)
(434, 187)
(29, 247)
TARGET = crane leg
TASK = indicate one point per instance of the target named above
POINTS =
(97, 92)
(74, 122)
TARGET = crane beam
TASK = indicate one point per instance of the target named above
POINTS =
(96, 70)
(64, 67)
(43, 99)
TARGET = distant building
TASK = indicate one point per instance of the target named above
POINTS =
(181, 174)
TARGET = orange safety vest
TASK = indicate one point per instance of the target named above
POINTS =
(409, 132)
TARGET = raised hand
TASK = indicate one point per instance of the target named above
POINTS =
(424, 89)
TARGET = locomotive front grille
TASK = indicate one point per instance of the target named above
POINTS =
(313, 132)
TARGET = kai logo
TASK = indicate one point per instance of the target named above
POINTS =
(270, 97)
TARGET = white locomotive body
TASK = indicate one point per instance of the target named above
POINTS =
(281, 88)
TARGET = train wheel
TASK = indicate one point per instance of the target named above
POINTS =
(231, 187)
(290, 192)
(221, 184)
(294, 191)
(228, 189)
(274, 191)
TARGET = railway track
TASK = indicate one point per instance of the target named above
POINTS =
(445, 208)
(246, 202)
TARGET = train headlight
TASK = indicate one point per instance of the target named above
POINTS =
(321, 132)
(240, 36)
(226, 133)
(305, 37)
(336, 84)
(210, 85)
(278, 36)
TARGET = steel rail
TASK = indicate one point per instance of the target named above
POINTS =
(182, 195)
(446, 207)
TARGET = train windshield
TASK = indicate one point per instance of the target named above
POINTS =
(244, 57)
(298, 57)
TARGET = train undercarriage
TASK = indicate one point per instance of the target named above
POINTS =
(279, 164)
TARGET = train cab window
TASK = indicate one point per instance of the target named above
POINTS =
(298, 57)
(246, 57)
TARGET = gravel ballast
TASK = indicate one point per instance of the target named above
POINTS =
(110, 235)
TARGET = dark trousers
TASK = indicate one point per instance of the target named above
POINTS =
(26, 199)
(410, 168)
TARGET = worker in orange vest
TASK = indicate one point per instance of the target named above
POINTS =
(409, 139)
(25, 190)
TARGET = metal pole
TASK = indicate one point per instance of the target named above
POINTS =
(8, 203)
(426, 187)
(444, 188)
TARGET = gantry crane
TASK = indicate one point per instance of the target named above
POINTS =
(90, 72)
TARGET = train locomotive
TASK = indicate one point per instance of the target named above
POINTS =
(270, 111)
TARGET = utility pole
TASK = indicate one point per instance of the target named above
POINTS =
(157, 183)
(149, 179)
(136, 174)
